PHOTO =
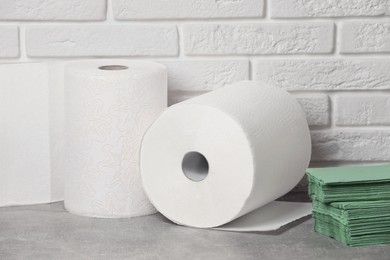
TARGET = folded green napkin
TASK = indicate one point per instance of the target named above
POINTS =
(354, 223)
(338, 232)
(355, 211)
(353, 183)
(352, 204)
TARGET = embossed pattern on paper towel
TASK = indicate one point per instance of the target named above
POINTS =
(107, 120)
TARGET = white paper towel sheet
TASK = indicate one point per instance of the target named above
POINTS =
(272, 216)
(107, 111)
(30, 146)
(217, 159)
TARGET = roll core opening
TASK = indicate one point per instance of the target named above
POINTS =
(113, 67)
(195, 166)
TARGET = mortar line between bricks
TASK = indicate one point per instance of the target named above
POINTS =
(253, 58)
(202, 20)
(336, 40)
(109, 12)
(343, 163)
(233, 21)
(303, 93)
(341, 91)
(250, 69)
(362, 18)
(357, 128)
(291, 56)
(332, 114)
(22, 43)
(319, 127)
(10, 60)
(179, 29)
(266, 10)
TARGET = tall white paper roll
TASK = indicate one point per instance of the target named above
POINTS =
(109, 104)
(212, 159)
(31, 99)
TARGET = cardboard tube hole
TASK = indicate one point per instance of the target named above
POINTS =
(113, 67)
(195, 166)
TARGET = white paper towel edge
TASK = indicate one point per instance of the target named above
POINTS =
(270, 217)
(36, 95)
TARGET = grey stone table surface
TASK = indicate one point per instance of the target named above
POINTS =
(49, 232)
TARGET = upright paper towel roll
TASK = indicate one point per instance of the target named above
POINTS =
(109, 104)
(212, 159)
(31, 100)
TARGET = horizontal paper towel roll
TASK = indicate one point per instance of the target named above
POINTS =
(109, 104)
(212, 159)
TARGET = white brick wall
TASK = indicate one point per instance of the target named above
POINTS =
(258, 38)
(328, 8)
(355, 110)
(107, 40)
(152, 9)
(351, 145)
(324, 74)
(51, 10)
(333, 56)
(361, 37)
(9, 41)
(201, 75)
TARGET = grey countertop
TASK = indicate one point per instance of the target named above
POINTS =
(49, 232)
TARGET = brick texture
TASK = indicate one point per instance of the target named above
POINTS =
(365, 37)
(203, 75)
(260, 38)
(101, 40)
(324, 74)
(9, 41)
(328, 8)
(358, 110)
(351, 145)
(49, 10)
(152, 9)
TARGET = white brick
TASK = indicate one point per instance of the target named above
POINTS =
(152, 9)
(316, 108)
(9, 41)
(52, 9)
(324, 74)
(365, 37)
(101, 40)
(351, 145)
(329, 8)
(202, 75)
(363, 110)
(258, 38)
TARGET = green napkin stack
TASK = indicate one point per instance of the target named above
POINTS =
(352, 204)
